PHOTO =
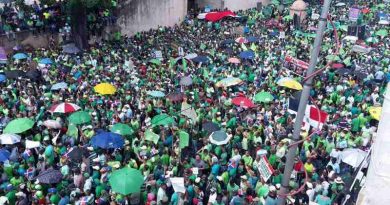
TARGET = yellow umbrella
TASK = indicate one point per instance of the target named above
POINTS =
(227, 82)
(375, 112)
(290, 83)
(105, 89)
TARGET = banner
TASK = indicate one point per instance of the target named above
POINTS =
(354, 14)
(265, 168)
(297, 62)
(178, 184)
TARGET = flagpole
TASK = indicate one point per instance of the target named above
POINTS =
(302, 104)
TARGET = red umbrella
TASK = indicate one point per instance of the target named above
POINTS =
(365, 10)
(337, 65)
(64, 108)
(243, 101)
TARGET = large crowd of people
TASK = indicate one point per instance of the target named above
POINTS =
(188, 102)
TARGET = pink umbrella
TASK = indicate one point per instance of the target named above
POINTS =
(234, 60)
(64, 108)
(241, 40)
(243, 101)
(337, 65)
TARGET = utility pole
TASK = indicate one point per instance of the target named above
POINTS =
(303, 102)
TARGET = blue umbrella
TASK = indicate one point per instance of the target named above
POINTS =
(59, 86)
(2, 78)
(227, 41)
(247, 54)
(200, 59)
(4, 155)
(20, 56)
(252, 39)
(46, 61)
(50, 176)
(107, 140)
(156, 93)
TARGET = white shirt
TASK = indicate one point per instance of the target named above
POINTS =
(160, 195)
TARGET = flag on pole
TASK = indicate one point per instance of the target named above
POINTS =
(316, 117)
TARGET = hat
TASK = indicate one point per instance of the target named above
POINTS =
(197, 180)
(277, 186)
(86, 127)
(244, 177)
(309, 185)
(219, 178)
(338, 180)
(272, 188)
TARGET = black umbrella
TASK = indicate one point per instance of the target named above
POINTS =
(14, 74)
(70, 48)
(200, 59)
(76, 154)
(50, 176)
(343, 71)
(227, 41)
(33, 74)
(360, 75)
(228, 51)
(210, 127)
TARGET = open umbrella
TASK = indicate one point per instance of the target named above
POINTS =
(50, 176)
(263, 97)
(382, 33)
(4, 155)
(105, 89)
(210, 127)
(107, 140)
(20, 56)
(234, 60)
(70, 48)
(46, 61)
(372, 40)
(19, 125)
(186, 81)
(353, 157)
(337, 65)
(122, 129)
(162, 119)
(126, 181)
(155, 61)
(219, 138)
(80, 117)
(343, 71)
(34, 74)
(201, 59)
(175, 96)
(227, 42)
(340, 4)
(290, 83)
(375, 112)
(2, 78)
(156, 93)
(64, 108)
(59, 86)
(227, 82)
(76, 154)
(243, 102)
(241, 40)
(52, 124)
(191, 56)
(9, 138)
(247, 54)
(14, 74)
(252, 39)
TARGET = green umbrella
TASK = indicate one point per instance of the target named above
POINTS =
(372, 40)
(155, 61)
(19, 125)
(264, 97)
(126, 181)
(332, 58)
(122, 129)
(275, 2)
(382, 33)
(79, 118)
(381, 6)
(162, 119)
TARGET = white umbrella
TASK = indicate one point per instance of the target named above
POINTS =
(9, 138)
(219, 138)
(53, 124)
(191, 56)
(340, 4)
(353, 157)
(383, 22)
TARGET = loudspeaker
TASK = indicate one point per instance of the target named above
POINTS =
(259, 6)
(297, 22)
(361, 34)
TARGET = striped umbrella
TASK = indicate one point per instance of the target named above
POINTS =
(64, 108)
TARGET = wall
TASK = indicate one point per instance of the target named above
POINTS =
(234, 5)
(142, 15)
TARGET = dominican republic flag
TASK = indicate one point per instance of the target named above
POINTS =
(315, 117)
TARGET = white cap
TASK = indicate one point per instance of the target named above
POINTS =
(272, 188)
